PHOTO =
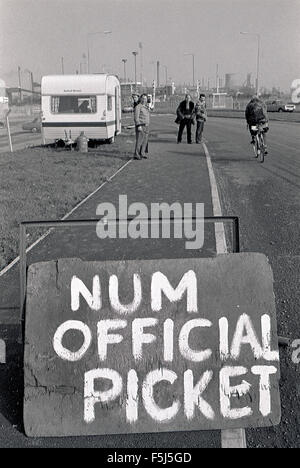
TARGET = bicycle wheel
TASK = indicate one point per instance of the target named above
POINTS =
(261, 147)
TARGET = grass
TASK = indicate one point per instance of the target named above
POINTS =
(43, 183)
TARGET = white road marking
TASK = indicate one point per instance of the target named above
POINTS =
(2, 352)
(221, 244)
(41, 238)
(230, 438)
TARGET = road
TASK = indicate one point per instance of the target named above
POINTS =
(20, 138)
(265, 197)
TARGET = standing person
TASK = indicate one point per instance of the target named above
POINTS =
(201, 117)
(136, 101)
(185, 118)
(142, 122)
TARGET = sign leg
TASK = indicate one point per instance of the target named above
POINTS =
(233, 438)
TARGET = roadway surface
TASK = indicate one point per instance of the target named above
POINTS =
(265, 197)
(20, 138)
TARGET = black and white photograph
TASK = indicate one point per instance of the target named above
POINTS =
(149, 226)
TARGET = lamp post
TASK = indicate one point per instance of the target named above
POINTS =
(142, 64)
(20, 84)
(193, 56)
(31, 83)
(135, 81)
(154, 68)
(124, 62)
(88, 44)
(166, 70)
(258, 56)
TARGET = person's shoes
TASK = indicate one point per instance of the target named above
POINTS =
(144, 156)
(137, 158)
(266, 150)
(190, 142)
(178, 142)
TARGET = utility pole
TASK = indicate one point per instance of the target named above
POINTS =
(193, 62)
(217, 78)
(20, 84)
(166, 70)
(193, 70)
(135, 79)
(142, 64)
(158, 77)
(124, 62)
(88, 45)
(32, 87)
(258, 57)
(62, 66)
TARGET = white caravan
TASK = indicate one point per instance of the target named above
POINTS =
(75, 103)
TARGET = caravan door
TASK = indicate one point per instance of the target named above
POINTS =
(118, 110)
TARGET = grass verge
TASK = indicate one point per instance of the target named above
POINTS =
(43, 183)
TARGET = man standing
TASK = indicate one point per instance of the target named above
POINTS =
(185, 118)
(142, 121)
(201, 117)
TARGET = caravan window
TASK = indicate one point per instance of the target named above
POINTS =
(109, 103)
(73, 104)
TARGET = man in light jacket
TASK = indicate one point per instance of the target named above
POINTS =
(142, 122)
(200, 116)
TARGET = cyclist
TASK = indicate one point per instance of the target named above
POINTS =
(256, 113)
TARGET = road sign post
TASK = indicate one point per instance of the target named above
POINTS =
(8, 131)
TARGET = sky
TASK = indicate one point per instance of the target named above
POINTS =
(35, 34)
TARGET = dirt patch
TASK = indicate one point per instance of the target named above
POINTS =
(43, 183)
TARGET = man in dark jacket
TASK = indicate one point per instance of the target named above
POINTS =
(256, 113)
(185, 118)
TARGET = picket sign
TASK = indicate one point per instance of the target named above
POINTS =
(151, 346)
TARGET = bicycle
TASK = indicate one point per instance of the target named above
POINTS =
(259, 145)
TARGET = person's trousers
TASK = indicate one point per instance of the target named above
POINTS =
(199, 130)
(141, 143)
(188, 124)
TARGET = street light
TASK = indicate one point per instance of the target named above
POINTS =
(135, 54)
(124, 62)
(31, 83)
(166, 69)
(193, 55)
(258, 56)
(154, 68)
(88, 44)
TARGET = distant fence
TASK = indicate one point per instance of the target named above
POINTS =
(172, 104)
(27, 110)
